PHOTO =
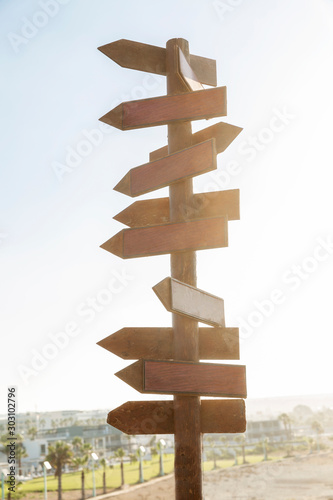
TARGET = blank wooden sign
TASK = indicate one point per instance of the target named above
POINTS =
(203, 205)
(203, 104)
(169, 238)
(189, 301)
(157, 417)
(157, 343)
(189, 162)
(152, 59)
(180, 377)
(223, 133)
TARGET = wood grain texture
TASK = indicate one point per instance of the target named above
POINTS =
(205, 69)
(136, 55)
(156, 343)
(169, 238)
(189, 162)
(187, 378)
(204, 104)
(223, 416)
(188, 442)
(223, 133)
(157, 417)
(201, 206)
(152, 59)
(190, 301)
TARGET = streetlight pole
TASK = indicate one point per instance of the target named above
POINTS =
(265, 449)
(162, 443)
(94, 457)
(142, 450)
(46, 467)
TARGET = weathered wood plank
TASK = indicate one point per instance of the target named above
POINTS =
(152, 59)
(189, 162)
(205, 69)
(156, 343)
(189, 301)
(136, 55)
(186, 378)
(201, 206)
(204, 104)
(224, 134)
(157, 417)
(169, 238)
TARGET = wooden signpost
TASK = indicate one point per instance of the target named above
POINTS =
(164, 110)
(185, 377)
(189, 301)
(223, 133)
(169, 358)
(156, 343)
(190, 162)
(202, 206)
(157, 417)
(174, 237)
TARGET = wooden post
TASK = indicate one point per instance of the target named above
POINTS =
(179, 225)
(188, 441)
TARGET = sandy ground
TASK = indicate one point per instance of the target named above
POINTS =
(308, 477)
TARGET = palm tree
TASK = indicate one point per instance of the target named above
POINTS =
(20, 452)
(152, 441)
(32, 432)
(86, 449)
(241, 440)
(59, 454)
(310, 443)
(103, 464)
(286, 421)
(212, 452)
(81, 462)
(318, 429)
(77, 443)
(42, 423)
(119, 454)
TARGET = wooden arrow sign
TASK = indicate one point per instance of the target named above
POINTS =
(189, 301)
(202, 206)
(156, 343)
(203, 104)
(169, 238)
(223, 133)
(189, 162)
(188, 378)
(152, 59)
(157, 417)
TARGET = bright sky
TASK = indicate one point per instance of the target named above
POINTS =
(276, 275)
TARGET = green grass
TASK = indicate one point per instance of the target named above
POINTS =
(72, 480)
(223, 464)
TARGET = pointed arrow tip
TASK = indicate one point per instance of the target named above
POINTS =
(163, 292)
(114, 50)
(115, 244)
(132, 375)
(124, 185)
(114, 117)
